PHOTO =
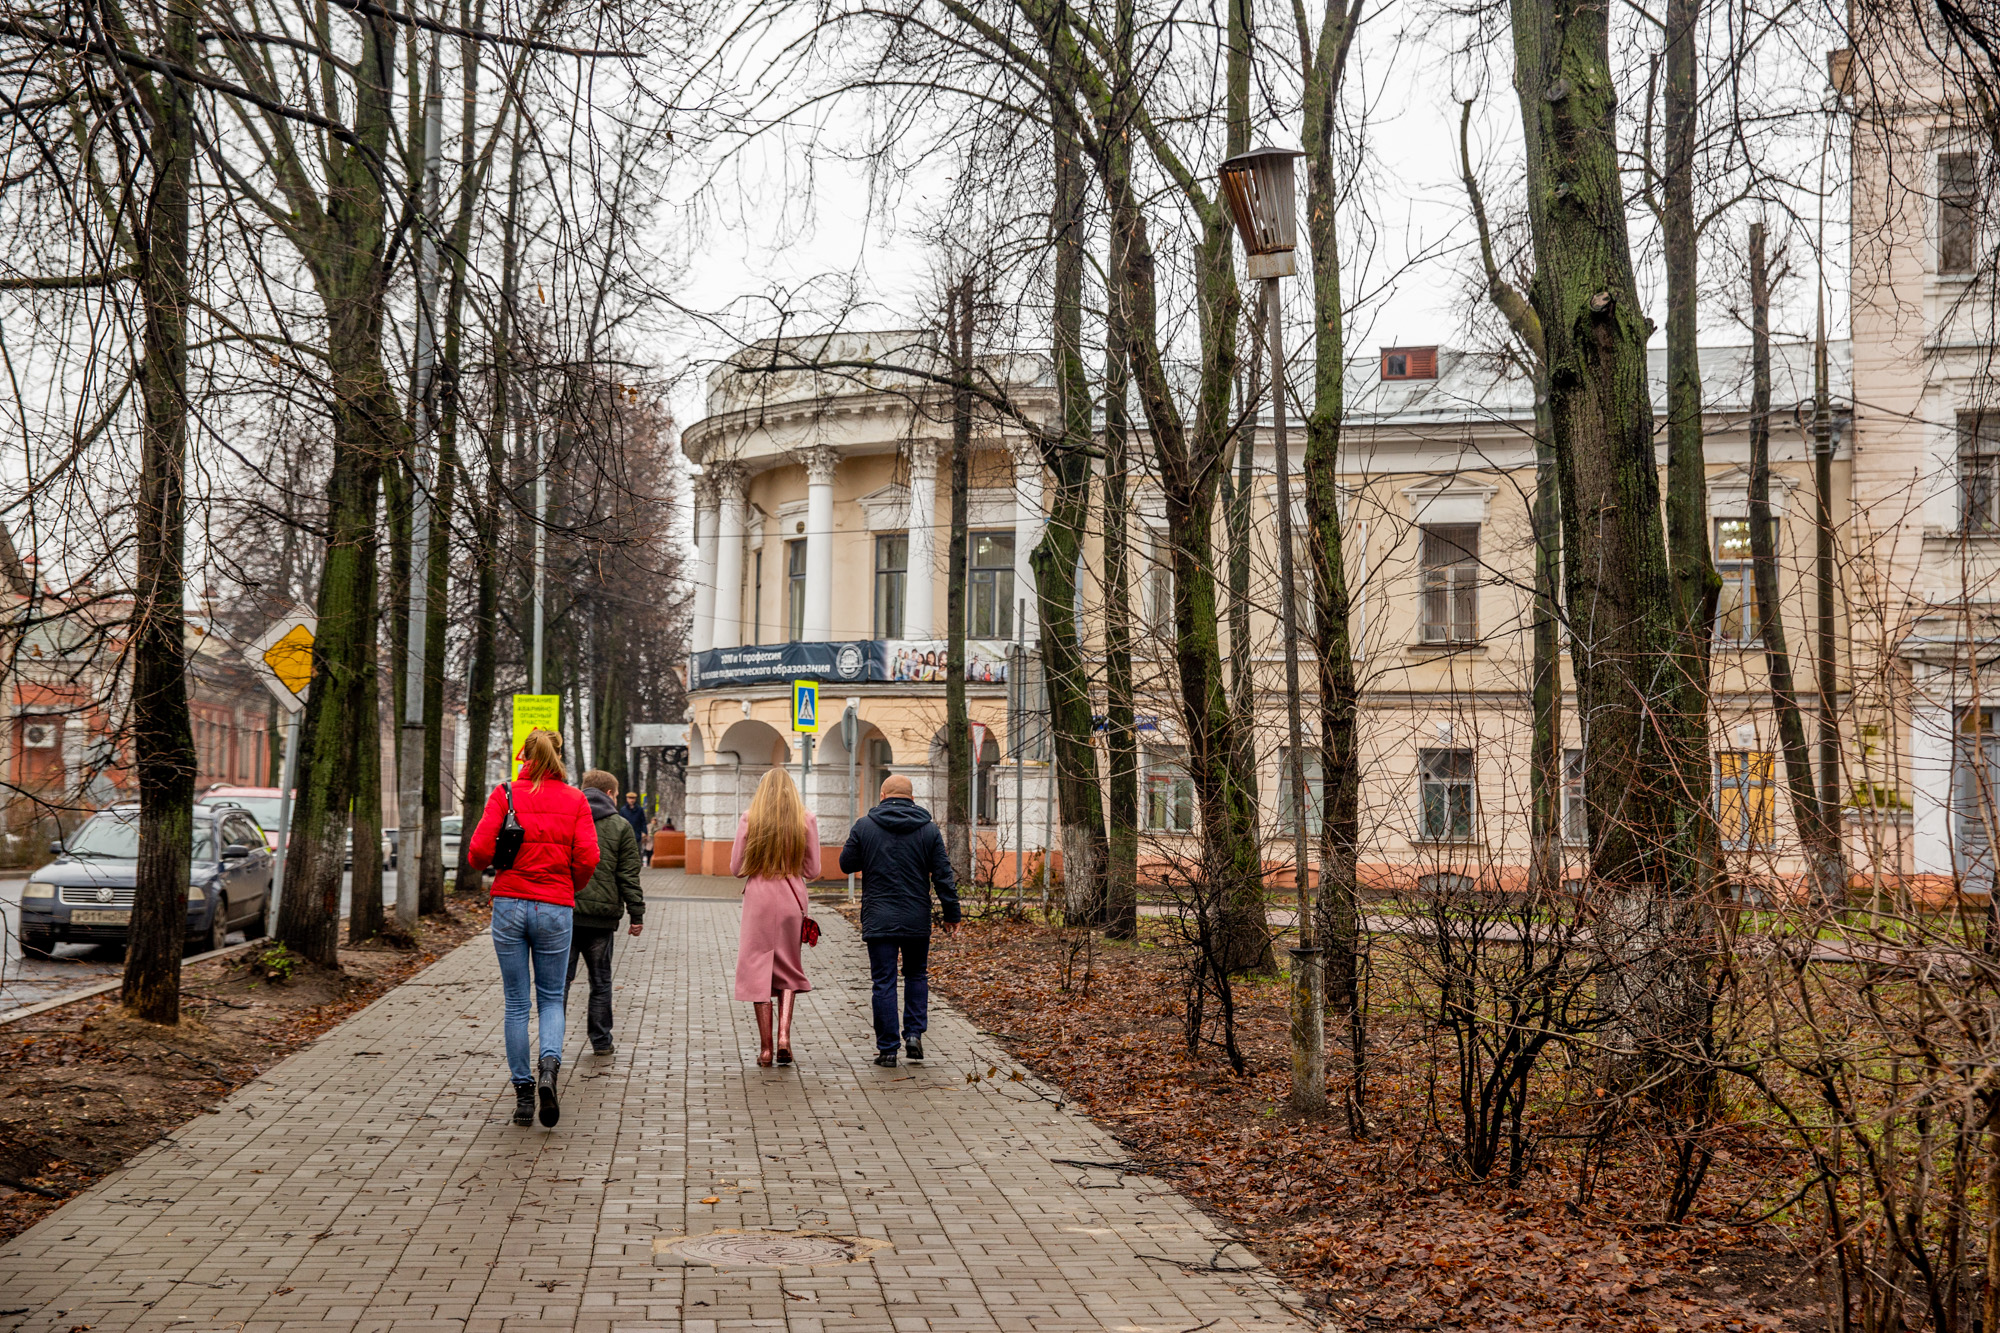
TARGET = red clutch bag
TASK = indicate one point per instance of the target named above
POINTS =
(809, 933)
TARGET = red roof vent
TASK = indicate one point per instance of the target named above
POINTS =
(1409, 363)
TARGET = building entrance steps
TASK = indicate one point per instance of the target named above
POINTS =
(374, 1182)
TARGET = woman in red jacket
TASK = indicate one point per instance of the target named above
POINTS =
(532, 907)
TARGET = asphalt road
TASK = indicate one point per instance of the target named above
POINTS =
(25, 981)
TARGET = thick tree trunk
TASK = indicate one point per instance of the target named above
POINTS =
(1338, 907)
(1065, 673)
(1624, 618)
(367, 917)
(1822, 850)
(368, 432)
(163, 738)
(958, 720)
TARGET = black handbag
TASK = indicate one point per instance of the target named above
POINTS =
(507, 842)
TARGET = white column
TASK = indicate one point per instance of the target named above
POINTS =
(1027, 532)
(1930, 790)
(921, 582)
(820, 464)
(729, 480)
(704, 578)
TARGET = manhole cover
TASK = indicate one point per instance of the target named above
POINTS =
(765, 1249)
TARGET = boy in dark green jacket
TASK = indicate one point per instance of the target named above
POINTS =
(612, 892)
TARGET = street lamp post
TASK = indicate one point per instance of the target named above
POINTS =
(1263, 199)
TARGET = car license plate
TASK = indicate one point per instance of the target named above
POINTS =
(90, 916)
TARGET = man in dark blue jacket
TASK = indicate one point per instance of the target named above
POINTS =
(900, 856)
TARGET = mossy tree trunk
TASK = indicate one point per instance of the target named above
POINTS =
(163, 736)
(344, 252)
(1621, 594)
(1068, 457)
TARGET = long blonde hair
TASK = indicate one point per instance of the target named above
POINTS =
(541, 757)
(774, 845)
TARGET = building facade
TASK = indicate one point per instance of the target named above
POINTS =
(822, 523)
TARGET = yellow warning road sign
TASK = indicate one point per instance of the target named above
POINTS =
(283, 658)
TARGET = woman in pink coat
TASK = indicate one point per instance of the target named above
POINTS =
(777, 849)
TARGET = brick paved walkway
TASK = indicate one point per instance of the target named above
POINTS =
(374, 1181)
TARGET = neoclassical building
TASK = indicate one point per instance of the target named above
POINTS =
(821, 527)
(822, 522)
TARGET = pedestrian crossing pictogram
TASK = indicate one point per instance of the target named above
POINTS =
(805, 706)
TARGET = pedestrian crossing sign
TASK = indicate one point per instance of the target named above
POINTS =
(805, 706)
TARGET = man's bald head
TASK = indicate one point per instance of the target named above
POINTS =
(896, 786)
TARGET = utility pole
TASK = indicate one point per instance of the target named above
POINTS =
(1262, 196)
(1829, 720)
(409, 775)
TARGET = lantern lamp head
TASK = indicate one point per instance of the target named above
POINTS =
(1263, 199)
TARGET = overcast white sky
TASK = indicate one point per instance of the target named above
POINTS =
(828, 244)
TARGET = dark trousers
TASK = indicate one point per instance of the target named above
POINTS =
(915, 951)
(593, 945)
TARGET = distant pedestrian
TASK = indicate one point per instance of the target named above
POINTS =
(634, 814)
(553, 841)
(612, 892)
(900, 855)
(777, 851)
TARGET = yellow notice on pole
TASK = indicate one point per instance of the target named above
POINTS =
(805, 706)
(534, 712)
(282, 657)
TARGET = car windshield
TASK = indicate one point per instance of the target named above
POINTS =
(263, 809)
(116, 838)
(450, 826)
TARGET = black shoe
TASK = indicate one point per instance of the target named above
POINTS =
(524, 1103)
(913, 1049)
(546, 1086)
(608, 1048)
(887, 1059)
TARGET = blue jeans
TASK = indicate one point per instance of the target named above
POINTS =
(532, 941)
(916, 954)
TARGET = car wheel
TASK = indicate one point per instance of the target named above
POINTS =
(218, 930)
(38, 943)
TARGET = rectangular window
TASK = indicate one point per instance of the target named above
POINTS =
(1736, 614)
(1975, 795)
(1315, 793)
(1449, 566)
(1745, 807)
(1958, 212)
(795, 588)
(1979, 472)
(1302, 582)
(892, 574)
(1169, 794)
(1159, 583)
(1446, 783)
(989, 599)
(1575, 815)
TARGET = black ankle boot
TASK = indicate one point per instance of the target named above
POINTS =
(524, 1103)
(546, 1086)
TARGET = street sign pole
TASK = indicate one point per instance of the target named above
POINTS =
(850, 736)
(291, 776)
(1017, 690)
